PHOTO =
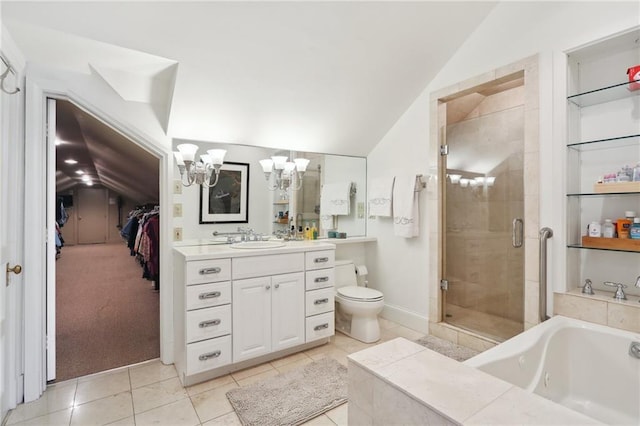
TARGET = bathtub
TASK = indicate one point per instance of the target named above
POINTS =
(583, 366)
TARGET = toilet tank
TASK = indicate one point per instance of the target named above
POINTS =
(345, 273)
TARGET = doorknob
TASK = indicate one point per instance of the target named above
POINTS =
(16, 270)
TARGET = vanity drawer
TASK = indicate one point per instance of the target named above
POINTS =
(319, 301)
(208, 271)
(320, 326)
(320, 278)
(270, 264)
(206, 295)
(319, 259)
(208, 354)
(207, 323)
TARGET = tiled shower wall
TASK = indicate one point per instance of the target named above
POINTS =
(484, 270)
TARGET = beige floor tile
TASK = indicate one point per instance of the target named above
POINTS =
(385, 324)
(350, 345)
(252, 371)
(321, 420)
(129, 421)
(257, 377)
(55, 398)
(102, 386)
(288, 359)
(319, 350)
(407, 333)
(210, 384)
(157, 394)
(230, 419)
(152, 372)
(214, 403)
(333, 352)
(59, 418)
(103, 411)
(339, 415)
(293, 365)
(179, 413)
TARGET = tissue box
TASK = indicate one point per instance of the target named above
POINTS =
(634, 77)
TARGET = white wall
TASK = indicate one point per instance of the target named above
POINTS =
(513, 31)
(260, 198)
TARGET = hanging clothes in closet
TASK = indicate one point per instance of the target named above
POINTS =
(142, 233)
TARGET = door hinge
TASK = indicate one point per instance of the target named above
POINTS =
(444, 284)
(444, 149)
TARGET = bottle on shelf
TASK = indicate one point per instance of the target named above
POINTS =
(634, 231)
(624, 224)
(608, 230)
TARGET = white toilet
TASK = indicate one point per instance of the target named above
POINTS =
(357, 308)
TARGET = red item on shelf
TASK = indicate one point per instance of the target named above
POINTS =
(634, 77)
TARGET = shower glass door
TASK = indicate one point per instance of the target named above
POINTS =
(483, 253)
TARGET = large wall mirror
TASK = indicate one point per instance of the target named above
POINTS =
(275, 206)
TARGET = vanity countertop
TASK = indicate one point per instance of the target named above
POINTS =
(212, 251)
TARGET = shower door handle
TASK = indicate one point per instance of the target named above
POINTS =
(517, 231)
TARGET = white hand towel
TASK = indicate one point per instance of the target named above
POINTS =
(380, 196)
(405, 207)
(336, 198)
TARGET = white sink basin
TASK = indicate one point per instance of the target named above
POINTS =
(257, 245)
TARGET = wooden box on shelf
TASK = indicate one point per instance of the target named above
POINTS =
(606, 188)
(611, 243)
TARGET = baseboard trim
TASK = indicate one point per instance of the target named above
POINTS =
(406, 318)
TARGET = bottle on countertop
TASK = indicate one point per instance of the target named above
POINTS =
(608, 230)
(634, 231)
(307, 232)
(314, 231)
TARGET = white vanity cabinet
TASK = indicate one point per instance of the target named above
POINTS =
(267, 314)
(236, 308)
(203, 322)
(319, 295)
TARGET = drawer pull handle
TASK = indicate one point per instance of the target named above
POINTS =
(321, 280)
(209, 271)
(321, 326)
(210, 295)
(210, 323)
(321, 259)
(210, 355)
(321, 301)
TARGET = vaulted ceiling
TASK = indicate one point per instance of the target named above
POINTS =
(312, 76)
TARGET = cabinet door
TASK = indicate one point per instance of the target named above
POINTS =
(251, 318)
(287, 304)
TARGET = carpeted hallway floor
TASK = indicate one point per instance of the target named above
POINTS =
(107, 315)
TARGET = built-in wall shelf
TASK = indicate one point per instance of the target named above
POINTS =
(606, 143)
(603, 95)
(602, 194)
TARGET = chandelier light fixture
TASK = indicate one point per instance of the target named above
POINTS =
(285, 172)
(199, 172)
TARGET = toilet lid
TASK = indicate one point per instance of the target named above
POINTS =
(360, 293)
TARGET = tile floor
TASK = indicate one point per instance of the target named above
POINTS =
(150, 393)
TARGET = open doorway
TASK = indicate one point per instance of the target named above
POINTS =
(106, 292)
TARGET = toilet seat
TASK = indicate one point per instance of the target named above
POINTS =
(360, 294)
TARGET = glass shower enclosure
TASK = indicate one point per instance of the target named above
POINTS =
(483, 253)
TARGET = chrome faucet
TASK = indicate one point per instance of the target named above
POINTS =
(587, 288)
(619, 294)
(637, 284)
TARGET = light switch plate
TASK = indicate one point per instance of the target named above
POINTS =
(177, 210)
(177, 187)
(177, 234)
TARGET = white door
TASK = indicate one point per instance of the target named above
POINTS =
(287, 311)
(11, 249)
(251, 318)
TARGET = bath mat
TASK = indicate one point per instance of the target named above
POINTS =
(446, 348)
(293, 397)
